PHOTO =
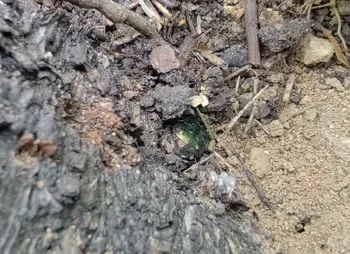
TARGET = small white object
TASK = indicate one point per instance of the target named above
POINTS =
(199, 100)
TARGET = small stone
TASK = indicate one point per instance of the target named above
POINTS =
(297, 70)
(335, 83)
(314, 50)
(276, 128)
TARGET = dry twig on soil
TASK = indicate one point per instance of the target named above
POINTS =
(240, 113)
(236, 73)
(251, 26)
(259, 190)
(119, 14)
(288, 89)
(252, 114)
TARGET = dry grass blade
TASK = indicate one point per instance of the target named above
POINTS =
(150, 11)
(236, 73)
(338, 52)
(288, 89)
(162, 8)
(234, 120)
(240, 113)
(207, 54)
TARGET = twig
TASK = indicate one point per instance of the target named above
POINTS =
(333, 5)
(205, 124)
(222, 160)
(240, 113)
(119, 14)
(236, 73)
(199, 163)
(190, 23)
(171, 26)
(199, 24)
(261, 6)
(298, 113)
(150, 11)
(251, 26)
(237, 84)
(262, 127)
(288, 89)
(251, 117)
(189, 44)
(162, 9)
(336, 12)
(259, 190)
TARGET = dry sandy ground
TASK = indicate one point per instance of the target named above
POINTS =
(305, 172)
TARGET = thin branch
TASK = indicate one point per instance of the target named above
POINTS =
(240, 113)
(259, 190)
(251, 26)
(237, 84)
(288, 89)
(205, 124)
(119, 14)
(252, 114)
(236, 73)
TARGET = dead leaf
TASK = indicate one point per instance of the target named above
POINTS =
(211, 57)
(208, 54)
(163, 59)
(338, 52)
